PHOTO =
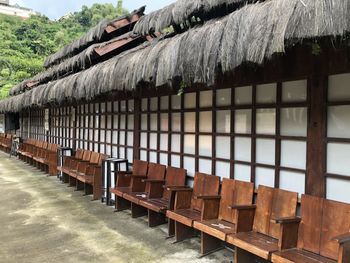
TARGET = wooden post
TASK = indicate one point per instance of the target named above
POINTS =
(137, 126)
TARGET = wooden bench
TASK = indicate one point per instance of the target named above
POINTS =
(138, 189)
(233, 217)
(5, 142)
(124, 183)
(157, 197)
(323, 236)
(71, 166)
(90, 175)
(190, 205)
(67, 163)
(267, 235)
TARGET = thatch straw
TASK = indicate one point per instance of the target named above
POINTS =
(94, 35)
(254, 33)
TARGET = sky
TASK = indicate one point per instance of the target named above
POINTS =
(55, 9)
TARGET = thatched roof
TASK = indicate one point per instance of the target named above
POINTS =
(251, 34)
(95, 35)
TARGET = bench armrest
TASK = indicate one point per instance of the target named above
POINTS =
(138, 176)
(179, 189)
(342, 239)
(208, 197)
(286, 220)
(153, 181)
(210, 207)
(242, 207)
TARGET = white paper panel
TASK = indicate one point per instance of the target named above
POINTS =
(108, 136)
(243, 149)
(338, 190)
(102, 148)
(175, 102)
(266, 93)
(223, 169)
(102, 123)
(143, 142)
(130, 139)
(153, 141)
(109, 122)
(175, 161)
(122, 121)
(205, 121)
(176, 122)
(154, 122)
(175, 143)
(223, 97)
(223, 147)
(264, 176)
(164, 142)
(189, 165)
(294, 121)
(154, 104)
(294, 91)
(265, 151)
(293, 154)
(242, 172)
(121, 152)
(190, 100)
(130, 122)
(205, 145)
(115, 121)
(243, 95)
(108, 150)
(223, 121)
(143, 155)
(164, 103)
(130, 155)
(164, 122)
(153, 157)
(205, 166)
(190, 121)
(144, 105)
(206, 98)
(189, 144)
(339, 121)
(122, 138)
(338, 158)
(144, 122)
(266, 121)
(115, 137)
(123, 106)
(243, 121)
(114, 151)
(163, 159)
(292, 181)
(339, 87)
(116, 106)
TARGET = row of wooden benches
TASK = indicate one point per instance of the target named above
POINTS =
(40, 154)
(84, 171)
(268, 230)
(5, 142)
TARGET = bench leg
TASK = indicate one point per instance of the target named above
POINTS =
(137, 210)
(72, 181)
(210, 244)
(79, 186)
(121, 204)
(155, 219)
(87, 189)
(171, 228)
(242, 256)
(97, 190)
(183, 232)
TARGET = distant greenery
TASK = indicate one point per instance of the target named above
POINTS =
(24, 44)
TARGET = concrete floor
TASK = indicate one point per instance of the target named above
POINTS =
(43, 220)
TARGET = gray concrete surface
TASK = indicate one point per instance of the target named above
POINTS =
(43, 220)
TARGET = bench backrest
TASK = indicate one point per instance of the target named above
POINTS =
(156, 171)
(321, 221)
(101, 158)
(45, 145)
(204, 184)
(234, 192)
(94, 157)
(79, 154)
(86, 156)
(139, 167)
(174, 177)
(273, 203)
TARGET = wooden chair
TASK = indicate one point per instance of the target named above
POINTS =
(73, 167)
(67, 160)
(124, 181)
(189, 205)
(158, 200)
(323, 236)
(90, 175)
(51, 159)
(138, 190)
(266, 236)
(232, 217)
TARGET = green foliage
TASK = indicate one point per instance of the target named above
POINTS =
(24, 44)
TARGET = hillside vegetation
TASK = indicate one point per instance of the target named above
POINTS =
(24, 44)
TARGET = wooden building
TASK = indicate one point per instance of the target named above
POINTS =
(256, 91)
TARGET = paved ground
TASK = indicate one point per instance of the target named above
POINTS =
(43, 220)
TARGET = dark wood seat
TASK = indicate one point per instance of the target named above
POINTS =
(266, 236)
(233, 216)
(155, 172)
(189, 205)
(159, 195)
(324, 233)
(124, 183)
(68, 159)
